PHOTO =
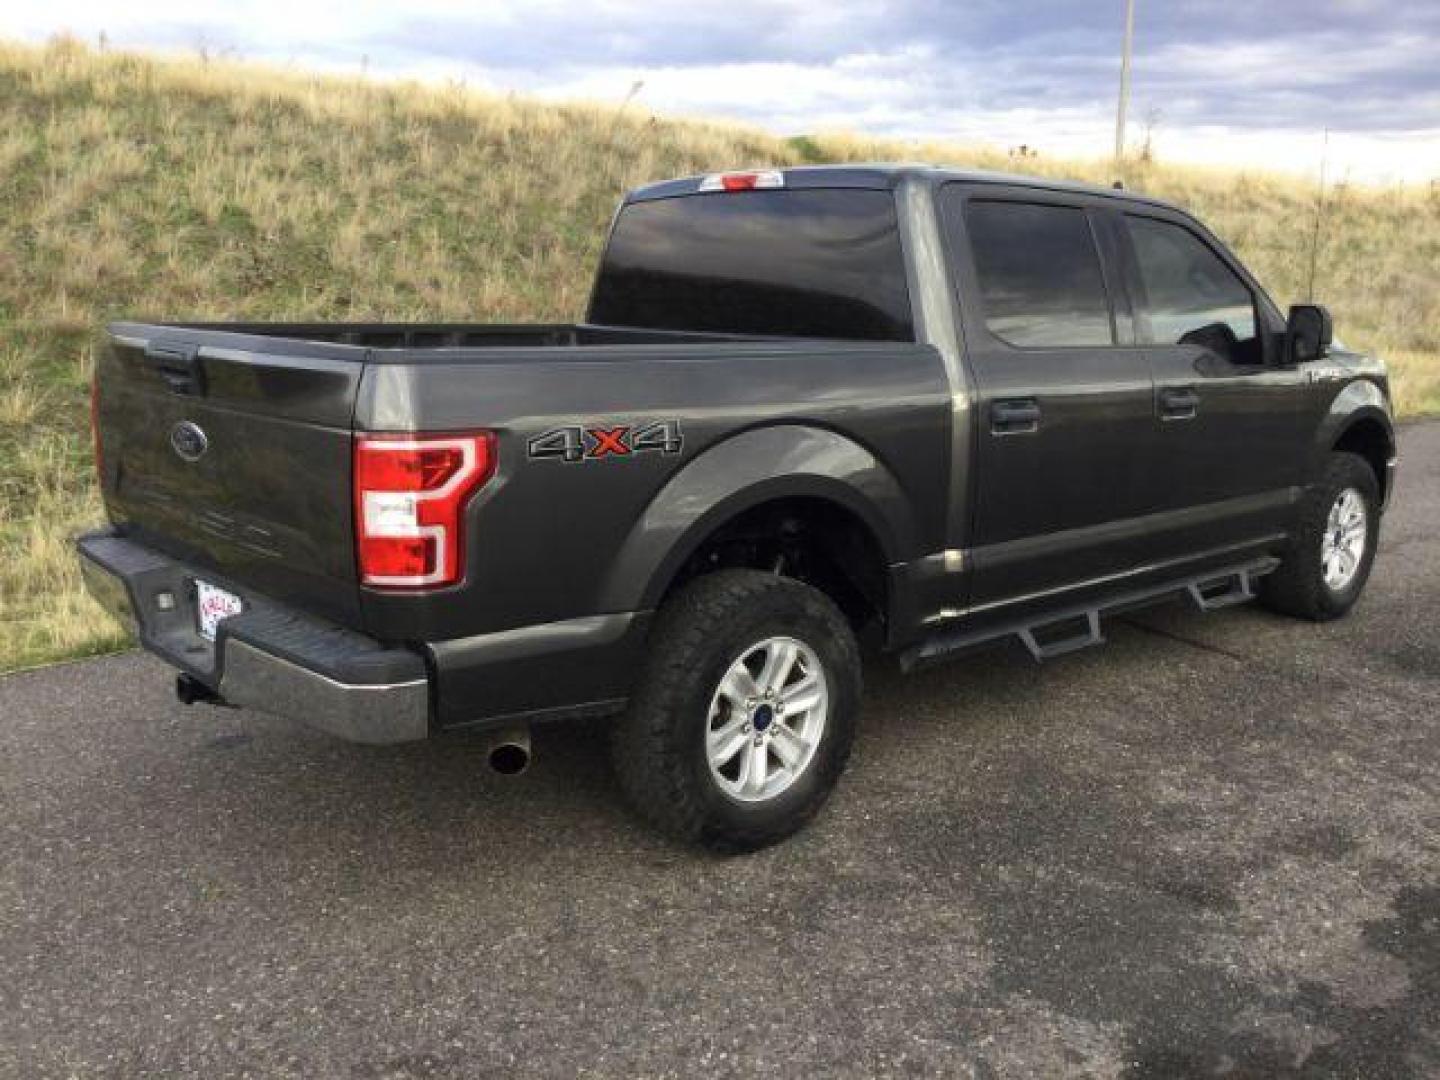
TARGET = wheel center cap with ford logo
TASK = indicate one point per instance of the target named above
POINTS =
(763, 715)
(188, 440)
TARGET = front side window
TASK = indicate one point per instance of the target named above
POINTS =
(1039, 274)
(1192, 297)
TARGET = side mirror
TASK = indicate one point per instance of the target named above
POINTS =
(1307, 333)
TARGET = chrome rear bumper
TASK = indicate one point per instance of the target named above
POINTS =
(269, 657)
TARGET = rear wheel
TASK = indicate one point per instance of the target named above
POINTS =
(1333, 547)
(745, 714)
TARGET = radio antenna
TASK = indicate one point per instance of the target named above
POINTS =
(1319, 214)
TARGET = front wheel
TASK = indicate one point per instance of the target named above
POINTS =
(745, 714)
(1333, 547)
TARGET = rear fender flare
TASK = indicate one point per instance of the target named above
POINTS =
(754, 467)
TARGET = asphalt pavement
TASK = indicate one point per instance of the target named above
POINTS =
(1211, 848)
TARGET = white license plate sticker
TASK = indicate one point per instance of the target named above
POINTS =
(213, 605)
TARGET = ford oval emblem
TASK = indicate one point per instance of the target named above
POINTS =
(188, 440)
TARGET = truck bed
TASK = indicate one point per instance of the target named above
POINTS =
(268, 506)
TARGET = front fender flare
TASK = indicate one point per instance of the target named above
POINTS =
(1360, 401)
(754, 467)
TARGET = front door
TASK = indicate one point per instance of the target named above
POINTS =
(1064, 399)
(1228, 412)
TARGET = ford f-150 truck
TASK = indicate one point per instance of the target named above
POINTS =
(901, 408)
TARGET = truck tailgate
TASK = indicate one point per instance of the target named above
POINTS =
(232, 453)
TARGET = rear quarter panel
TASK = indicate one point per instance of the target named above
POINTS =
(548, 540)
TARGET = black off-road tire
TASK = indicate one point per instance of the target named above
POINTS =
(659, 744)
(1298, 587)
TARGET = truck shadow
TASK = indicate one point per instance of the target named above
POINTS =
(441, 797)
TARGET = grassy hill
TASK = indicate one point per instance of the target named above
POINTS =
(189, 189)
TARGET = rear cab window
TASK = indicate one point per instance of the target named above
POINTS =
(806, 262)
(1038, 273)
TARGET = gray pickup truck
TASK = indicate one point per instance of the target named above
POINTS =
(812, 411)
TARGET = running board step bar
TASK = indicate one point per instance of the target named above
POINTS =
(1044, 647)
(1224, 591)
(1070, 630)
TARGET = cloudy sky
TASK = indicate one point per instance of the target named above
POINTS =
(1234, 81)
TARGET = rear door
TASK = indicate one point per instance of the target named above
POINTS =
(1063, 396)
(232, 452)
(1228, 413)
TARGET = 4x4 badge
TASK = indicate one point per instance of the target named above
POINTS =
(611, 441)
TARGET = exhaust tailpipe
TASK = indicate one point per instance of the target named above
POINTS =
(509, 751)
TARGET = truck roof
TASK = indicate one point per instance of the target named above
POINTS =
(889, 174)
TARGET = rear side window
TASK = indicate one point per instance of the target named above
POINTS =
(1192, 297)
(806, 263)
(1039, 274)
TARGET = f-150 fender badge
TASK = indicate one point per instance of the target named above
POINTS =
(594, 443)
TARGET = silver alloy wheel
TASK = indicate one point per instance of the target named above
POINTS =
(766, 719)
(1343, 545)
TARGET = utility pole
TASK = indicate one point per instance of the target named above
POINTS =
(1124, 81)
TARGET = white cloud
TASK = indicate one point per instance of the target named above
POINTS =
(917, 69)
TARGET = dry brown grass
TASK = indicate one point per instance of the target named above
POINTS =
(185, 189)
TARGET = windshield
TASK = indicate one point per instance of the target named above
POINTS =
(808, 263)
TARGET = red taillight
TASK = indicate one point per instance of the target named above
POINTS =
(410, 496)
(95, 424)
